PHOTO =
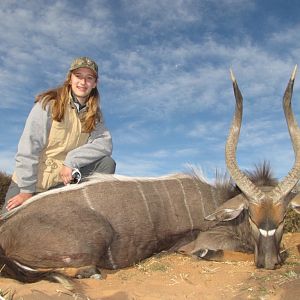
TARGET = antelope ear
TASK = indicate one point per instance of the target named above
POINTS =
(295, 203)
(229, 210)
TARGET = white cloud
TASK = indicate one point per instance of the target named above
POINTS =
(7, 161)
(134, 166)
(162, 62)
(207, 129)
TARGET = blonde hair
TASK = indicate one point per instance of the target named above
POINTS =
(59, 98)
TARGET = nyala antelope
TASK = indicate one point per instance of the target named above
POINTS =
(114, 221)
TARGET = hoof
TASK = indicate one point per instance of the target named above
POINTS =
(88, 272)
(209, 254)
(96, 276)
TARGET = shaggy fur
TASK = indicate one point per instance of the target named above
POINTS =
(5, 180)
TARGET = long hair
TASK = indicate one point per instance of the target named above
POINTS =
(59, 98)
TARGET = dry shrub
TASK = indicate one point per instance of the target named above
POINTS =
(4, 184)
(292, 221)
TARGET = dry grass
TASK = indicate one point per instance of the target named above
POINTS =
(292, 221)
(4, 183)
(6, 294)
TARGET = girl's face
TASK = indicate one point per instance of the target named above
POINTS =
(83, 80)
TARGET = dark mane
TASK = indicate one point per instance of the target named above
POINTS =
(225, 185)
(262, 175)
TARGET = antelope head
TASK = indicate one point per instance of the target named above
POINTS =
(267, 206)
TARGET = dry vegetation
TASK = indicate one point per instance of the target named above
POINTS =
(4, 183)
(174, 276)
(292, 221)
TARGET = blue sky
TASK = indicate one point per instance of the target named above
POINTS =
(165, 85)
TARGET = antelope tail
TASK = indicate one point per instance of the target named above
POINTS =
(11, 269)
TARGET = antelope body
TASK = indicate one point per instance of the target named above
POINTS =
(112, 222)
(115, 221)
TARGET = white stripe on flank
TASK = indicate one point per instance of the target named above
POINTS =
(171, 207)
(186, 204)
(87, 198)
(198, 188)
(111, 260)
(168, 195)
(146, 203)
(201, 197)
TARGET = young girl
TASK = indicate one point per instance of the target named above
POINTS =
(64, 130)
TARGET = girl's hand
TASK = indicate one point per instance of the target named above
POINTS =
(66, 175)
(17, 200)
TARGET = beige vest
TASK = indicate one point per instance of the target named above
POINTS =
(64, 136)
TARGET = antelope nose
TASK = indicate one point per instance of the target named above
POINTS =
(267, 265)
(269, 261)
(270, 266)
(272, 263)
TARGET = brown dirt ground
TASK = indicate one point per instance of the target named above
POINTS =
(174, 276)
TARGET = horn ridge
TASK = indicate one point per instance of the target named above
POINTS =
(253, 193)
(287, 184)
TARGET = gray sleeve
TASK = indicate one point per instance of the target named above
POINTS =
(99, 144)
(32, 142)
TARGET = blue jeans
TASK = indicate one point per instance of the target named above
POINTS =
(105, 165)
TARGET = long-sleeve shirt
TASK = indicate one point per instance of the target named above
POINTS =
(34, 139)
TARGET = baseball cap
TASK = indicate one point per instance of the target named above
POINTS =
(84, 62)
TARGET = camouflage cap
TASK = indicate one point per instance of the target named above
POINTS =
(84, 62)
